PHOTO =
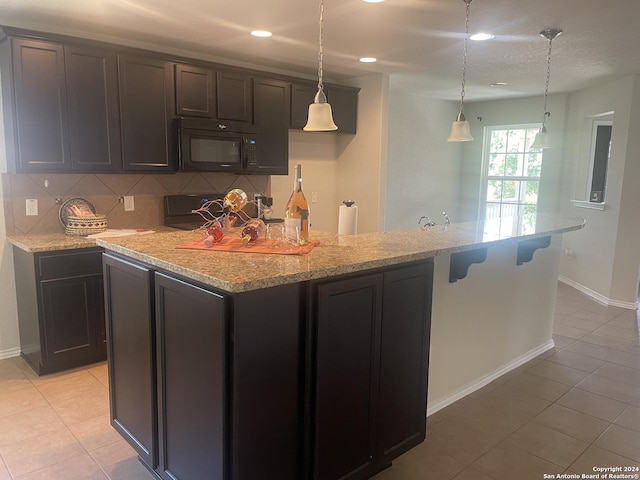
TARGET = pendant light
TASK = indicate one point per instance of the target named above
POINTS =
(320, 118)
(460, 131)
(542, 139)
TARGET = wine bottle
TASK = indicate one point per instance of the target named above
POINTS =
(251, 231)
(235, 200)
(296, 214)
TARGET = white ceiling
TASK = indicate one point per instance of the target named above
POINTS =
(418, 42)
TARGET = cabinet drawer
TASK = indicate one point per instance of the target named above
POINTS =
(69, 263)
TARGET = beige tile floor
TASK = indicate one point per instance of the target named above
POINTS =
(567, 411)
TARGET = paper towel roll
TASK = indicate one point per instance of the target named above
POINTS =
(347, 220)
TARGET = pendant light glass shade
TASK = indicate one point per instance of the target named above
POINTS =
(543, 140)
(460, 131)
(320, 116)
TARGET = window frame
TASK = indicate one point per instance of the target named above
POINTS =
(485, 177)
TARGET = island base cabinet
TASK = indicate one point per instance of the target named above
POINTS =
(131, 354)
(372, 349)
(191, 338)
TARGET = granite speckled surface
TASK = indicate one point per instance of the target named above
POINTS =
(50, 242)
(335, 255)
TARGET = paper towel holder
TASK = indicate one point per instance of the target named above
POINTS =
(349, 203)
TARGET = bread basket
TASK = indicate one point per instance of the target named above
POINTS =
(79, 217)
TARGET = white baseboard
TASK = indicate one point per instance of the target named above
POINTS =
(598, 297)
(440, 403)
(11, 352)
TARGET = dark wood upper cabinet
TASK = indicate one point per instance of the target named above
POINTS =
(146, 106)
(271, 110)
(92, 92)
(195, 91)
(234, 96)
(41, 134)
(344, 106)
(302, 94)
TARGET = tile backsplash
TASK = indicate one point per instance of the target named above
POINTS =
(105, 192)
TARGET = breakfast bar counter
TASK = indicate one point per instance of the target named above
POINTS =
(234, 365)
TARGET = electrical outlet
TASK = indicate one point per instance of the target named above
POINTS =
(129, 204)
(32, 207)
(314, 197)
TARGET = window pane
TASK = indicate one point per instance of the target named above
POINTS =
(493, 210)
(510, 191)
(498, 140)
(516, 140)
(513, 165)
(496, 165)
(534, 164)
(494, 190)
(531, 193)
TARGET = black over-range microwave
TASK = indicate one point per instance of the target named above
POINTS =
(207, 145)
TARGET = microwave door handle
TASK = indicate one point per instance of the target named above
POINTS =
(245, 153)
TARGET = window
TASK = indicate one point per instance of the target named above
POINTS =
(599, 158)
(511, 171)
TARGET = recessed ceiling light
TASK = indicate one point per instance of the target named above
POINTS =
(373, 1)
(479, 37)
(368, 59)
(498, 84)
(261, 33)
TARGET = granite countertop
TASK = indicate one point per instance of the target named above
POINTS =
(49, 242)
(335, 255)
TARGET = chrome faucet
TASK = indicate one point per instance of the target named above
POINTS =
(429, 222)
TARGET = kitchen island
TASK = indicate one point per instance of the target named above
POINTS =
(245, 365)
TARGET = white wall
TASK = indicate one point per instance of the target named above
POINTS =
(423, 169)
(317, 152)
(362, 158)
(605, 257)
(9, 336)
(471, 343)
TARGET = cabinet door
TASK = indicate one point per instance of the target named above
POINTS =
(131, 344)
(146, 103)
(191, 338)
(234, 96)
(42, 133)
(194, 91)
(91, 77)
(302, 95)
(405, 356)
(271, 110)
(71, 332)
(347, 370)
(344, 106)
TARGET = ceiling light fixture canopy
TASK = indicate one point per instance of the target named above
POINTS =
(460, 131)
(320, 117)
(543, 139)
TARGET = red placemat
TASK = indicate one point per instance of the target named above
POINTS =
(232, 244)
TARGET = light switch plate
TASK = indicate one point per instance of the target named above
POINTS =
(129, 205)
(32, 207)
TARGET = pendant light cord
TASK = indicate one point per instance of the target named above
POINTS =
(464, 52)
(545, 113)
(320, 55)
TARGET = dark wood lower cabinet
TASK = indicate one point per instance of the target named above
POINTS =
(132, 354)
(192, 380)
(317, 380)
(60, 308)
(371, 366)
